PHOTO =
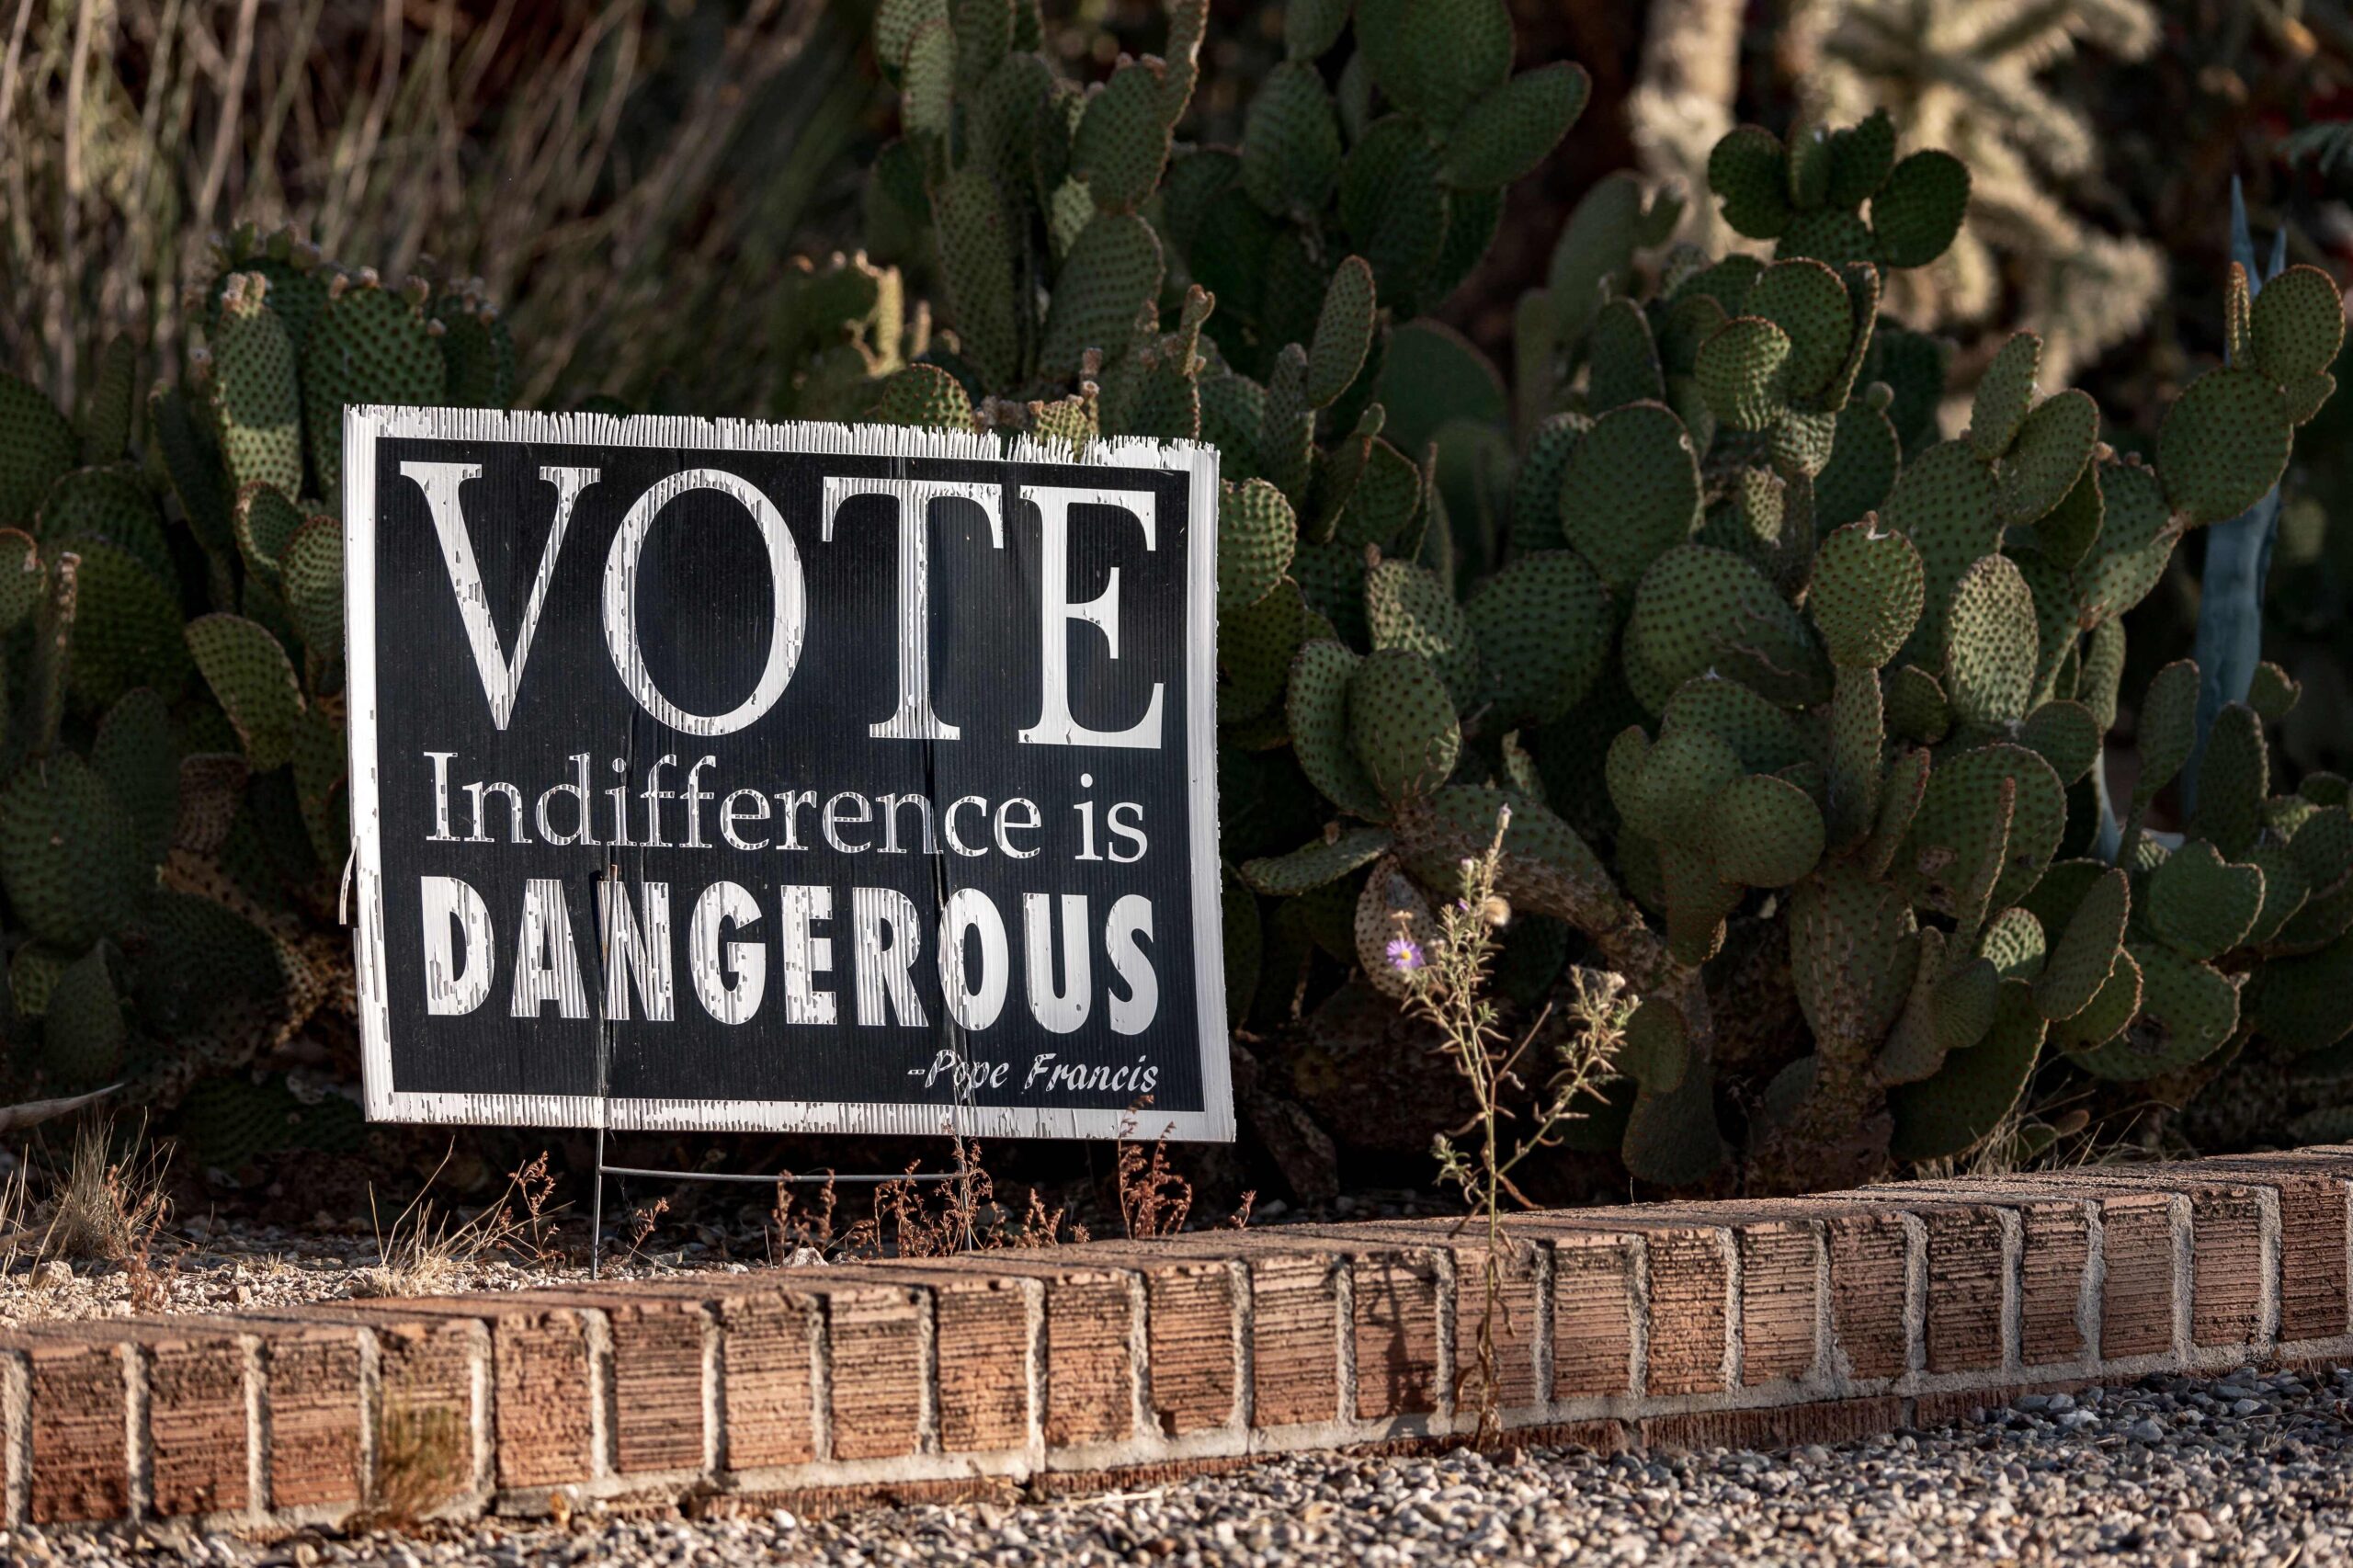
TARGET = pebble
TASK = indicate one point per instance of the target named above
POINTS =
(2115, 1476)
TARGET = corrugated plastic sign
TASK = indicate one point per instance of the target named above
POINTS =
(811, 777)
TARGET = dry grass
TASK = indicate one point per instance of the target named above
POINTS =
(111, 1209)
(593, 161)
(430, 1251)
(1153, 1199)
(2055, 1135)
(914, 1218)
(960, 1212)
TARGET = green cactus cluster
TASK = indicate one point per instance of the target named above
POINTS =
(1705, 595)
(171, 620)
(1802, 705)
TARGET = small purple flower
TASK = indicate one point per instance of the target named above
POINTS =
(1404, 955)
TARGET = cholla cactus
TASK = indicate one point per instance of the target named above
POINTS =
(174, 802)
(1967, 77)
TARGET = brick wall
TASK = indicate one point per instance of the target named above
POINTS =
(1758, 1323)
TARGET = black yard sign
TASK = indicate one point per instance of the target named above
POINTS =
(828, 779)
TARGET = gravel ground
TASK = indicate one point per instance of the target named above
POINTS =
(209, 1263)
(2173, 1470)
(206, 1267)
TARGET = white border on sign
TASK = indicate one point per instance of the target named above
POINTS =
(363, 427)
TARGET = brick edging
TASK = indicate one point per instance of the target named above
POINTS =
(1756, 1323)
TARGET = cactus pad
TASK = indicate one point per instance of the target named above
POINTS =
(1767, 833)
(1318, 710)
(2234, 776)
(1543, 628)
(37, 446)
(1744, 372)
(127, 628)
(1343, 332)
(2052, 450)
(1864, 458)
(1746, 172)
(370, 344)
(1916, 212)
(1122, 140)
(976, 269)
(1436, 60)
(255, 684)
(1622, 359)
(265, 522)
(2102, 1020)
(1314, 865)
(135, 755)
(257, 398)
(925, 396)
(1658, 1049)
(2272, 692)
(2188, 1011)
(2168, 727)
(1255, 645)
(1291, 142)
(1809, 303)
(2003, 394)
(82, 1028)
(2014, 943)
(1682, 774)
(1506, 133)
(1407, 607)
(2223, 443)
(1989, 644)
(1944, 503)
(2202, 904)
(1401, 723)
(1699, 608)
(2297, 325)
(108, 504)
(2304, 1002)
(2066, 734)
(1630, 491)
(69, 854)
(2085, 954)
(1866, 594)
(1952, 1112)
(1763, 737)
(1392, 206)
(1112, 272)
(311, 573)
(1954, 820)
(22, 578)
(1256, 534)
(2285, 890)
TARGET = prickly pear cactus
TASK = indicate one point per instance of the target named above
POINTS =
(1800, 703)
(1746, 642)
(172, 765)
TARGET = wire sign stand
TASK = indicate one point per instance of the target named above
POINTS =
(826, 1176)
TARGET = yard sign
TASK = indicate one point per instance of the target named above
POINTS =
(811, 777)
